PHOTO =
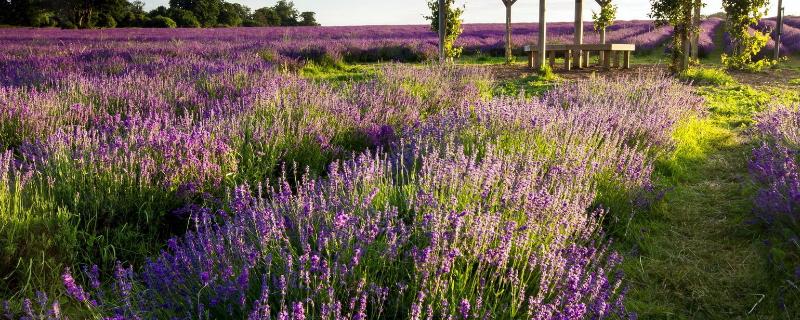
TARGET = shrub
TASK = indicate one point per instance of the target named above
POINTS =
(161, 22)
(184, 18)
(107, 21)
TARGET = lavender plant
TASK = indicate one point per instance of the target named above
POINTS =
(774, 166)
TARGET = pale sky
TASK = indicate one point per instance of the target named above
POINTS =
(380, 12)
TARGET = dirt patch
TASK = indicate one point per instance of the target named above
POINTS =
(510, 72)
(769, 78)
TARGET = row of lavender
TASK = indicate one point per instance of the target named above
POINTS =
(413, 194)
(352, 44)
(790, 39)
(775, 166)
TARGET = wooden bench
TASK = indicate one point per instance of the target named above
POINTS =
(579, 54)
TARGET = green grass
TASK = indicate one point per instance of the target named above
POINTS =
(340, 72)
(694, 255)
(530, 85)
(707, 76)
(483, 59)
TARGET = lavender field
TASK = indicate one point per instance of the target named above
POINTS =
(195, 174)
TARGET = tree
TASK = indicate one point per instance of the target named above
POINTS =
(677, 13)
(308, 19)
(87, 13)
(266, 17)
(33, 13)
(698, 4)
(286, 12)
(161, 11)
(232, 14)
(741, 16)
(183, 18)
(605, 18)
(206, 11)
(509, 53)
(453, 29)
(161, 22)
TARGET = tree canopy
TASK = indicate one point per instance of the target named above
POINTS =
(124, 13)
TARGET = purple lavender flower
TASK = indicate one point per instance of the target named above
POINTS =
(463, 308)
(73, 289)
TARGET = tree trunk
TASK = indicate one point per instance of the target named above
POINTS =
(509, 53)
(686, 35)
(442, 11)
(696, 32)
(602, 41)
(779, 30)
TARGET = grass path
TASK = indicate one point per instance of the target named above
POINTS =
(695, 255)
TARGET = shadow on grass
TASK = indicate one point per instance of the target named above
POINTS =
(695, 254)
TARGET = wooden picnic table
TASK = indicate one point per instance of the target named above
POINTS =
(582, 52)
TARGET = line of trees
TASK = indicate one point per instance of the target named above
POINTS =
(741, 16)
(122, 13)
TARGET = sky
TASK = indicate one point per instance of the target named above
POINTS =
(383, 12)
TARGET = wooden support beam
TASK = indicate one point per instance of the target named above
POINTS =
(542, 32)
(627, 60)
(578, 31)
(586, 56)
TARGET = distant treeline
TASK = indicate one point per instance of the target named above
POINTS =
(122, 13)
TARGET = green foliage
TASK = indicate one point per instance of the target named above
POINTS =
(265, 17)
(746, 48)
(308, 19)
(161, 22)
(707, 76)
(677, 13)
(741, 16)
(184, 18)
(605, 18)
(286, 12)
(123, 13)
(206, 11)
(795, 82)
(453, 26)
(107, 21)
(529, 86)
(282, 13)
(232, 14)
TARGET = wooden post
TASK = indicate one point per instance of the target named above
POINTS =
(607, 59)
(542, 33)
(578, 31)
(552, 55)
(509, 52)
(568, 59)
(442, 31)
(586, 57)
(779, 30)
(531, 57)
(627, 60)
